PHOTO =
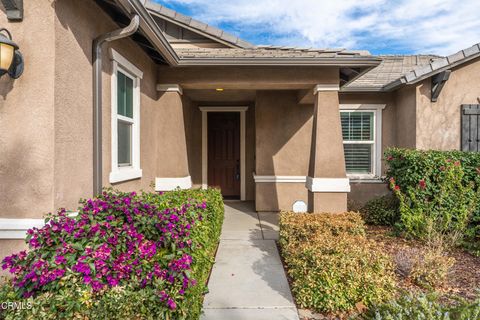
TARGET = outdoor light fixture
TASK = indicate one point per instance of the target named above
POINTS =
(11, 60)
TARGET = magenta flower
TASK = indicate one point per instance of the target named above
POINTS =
(60, 260)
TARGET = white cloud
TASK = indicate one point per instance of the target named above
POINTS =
(426, 26)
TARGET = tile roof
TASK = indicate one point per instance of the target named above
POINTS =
(437, 65)
(189, 22)
(268, 52)
(390, 69)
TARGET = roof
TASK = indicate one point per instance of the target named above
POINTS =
(436, 66)
(279, 56)
(390, 69)
(267, 51)
(196, 25)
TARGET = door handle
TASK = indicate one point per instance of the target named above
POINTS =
(237, 170)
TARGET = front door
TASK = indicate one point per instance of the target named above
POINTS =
(224, 152)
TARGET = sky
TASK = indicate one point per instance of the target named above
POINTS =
(380, 26)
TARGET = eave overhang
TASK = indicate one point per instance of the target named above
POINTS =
(332, 62)
(150, 29)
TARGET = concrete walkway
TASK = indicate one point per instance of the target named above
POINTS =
(248, 281)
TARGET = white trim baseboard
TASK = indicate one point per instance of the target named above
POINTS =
(168, 184)
(328, 184)
(279, 179)
(17, 228)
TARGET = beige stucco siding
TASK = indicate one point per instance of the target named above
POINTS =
(46, 115)
(283, 139)
(405, 105)
(439, 123)
(77, 25)
(27, 117)
(279, 196)
(283, 134)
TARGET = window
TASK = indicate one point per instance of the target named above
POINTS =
(361, 127)
(125, 120)
(470, 135)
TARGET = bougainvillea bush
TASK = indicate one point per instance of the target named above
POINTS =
(436, 189)
(125, 255)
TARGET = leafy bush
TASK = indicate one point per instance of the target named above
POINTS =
(123, 256)
(442, 197)
(437, 188)
(332, 265)
(423, 306)
(382, 211)
(431, 268)
(427, 267)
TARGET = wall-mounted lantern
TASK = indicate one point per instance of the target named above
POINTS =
(11, 60)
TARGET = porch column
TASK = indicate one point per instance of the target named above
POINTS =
(327, 182)
(172, 169)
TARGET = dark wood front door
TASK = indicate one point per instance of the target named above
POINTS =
(224, 152)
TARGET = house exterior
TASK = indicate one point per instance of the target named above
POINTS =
(178, 103)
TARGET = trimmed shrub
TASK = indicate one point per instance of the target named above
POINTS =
(435, 190)
(423, 306)
(124, 255)
(332, 265)
(382, 211)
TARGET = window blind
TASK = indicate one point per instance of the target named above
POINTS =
(358, 141)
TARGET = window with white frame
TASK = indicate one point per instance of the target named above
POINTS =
(125, 120)
(361, 128)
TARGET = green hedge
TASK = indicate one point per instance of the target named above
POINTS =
(124, 256)
(408, 166)
(381, 211)
(436, 189)
(332, 265)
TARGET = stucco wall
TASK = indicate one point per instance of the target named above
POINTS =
(27, 116)
(162, 138)
(46, 115)
(439, 123)
(283, 139)
(405, 105)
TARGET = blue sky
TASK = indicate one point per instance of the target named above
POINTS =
(381, 26)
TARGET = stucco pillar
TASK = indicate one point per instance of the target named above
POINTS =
(172, 164)
(327, 182)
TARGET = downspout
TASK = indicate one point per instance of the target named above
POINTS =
(97, 96)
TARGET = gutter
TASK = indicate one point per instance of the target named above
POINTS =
(97, 96)
(151, 29)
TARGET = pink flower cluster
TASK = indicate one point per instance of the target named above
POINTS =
(115, 239)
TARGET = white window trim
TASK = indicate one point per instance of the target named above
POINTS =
(119, 174)
(377, 138)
